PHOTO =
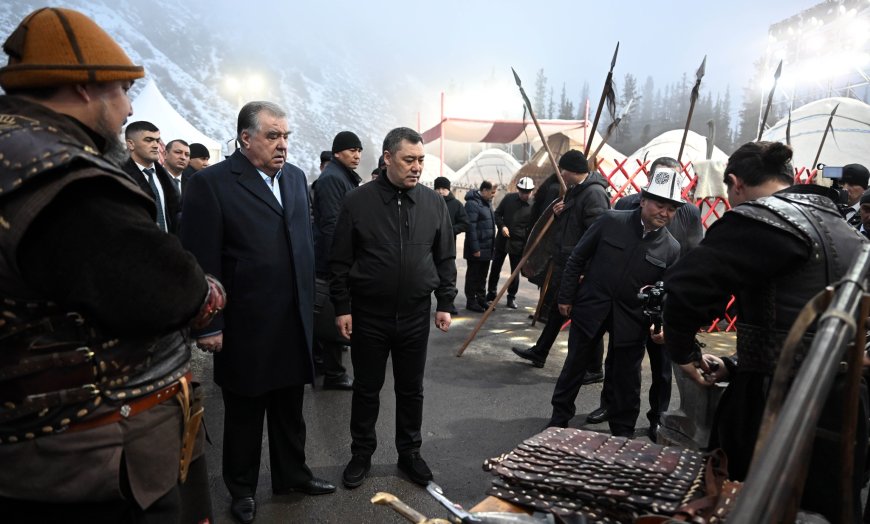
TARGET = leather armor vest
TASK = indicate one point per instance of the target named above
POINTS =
(56, 366)
(767, 312)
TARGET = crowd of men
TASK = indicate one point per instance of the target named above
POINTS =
(115, 265)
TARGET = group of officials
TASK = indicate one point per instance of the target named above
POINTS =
(100, 418)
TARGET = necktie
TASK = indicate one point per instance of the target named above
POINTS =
(177, 184)
(161, 219)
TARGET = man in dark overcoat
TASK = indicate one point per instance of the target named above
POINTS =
(621, 253)
(247, 220)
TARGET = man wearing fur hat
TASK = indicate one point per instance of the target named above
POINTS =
(336, 180)
(97, 405)
(621, 253)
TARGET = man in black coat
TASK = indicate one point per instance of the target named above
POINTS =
(686, 229)
(394, 247)
(584, 202)
(247, 221)
(336, 179)
(479, 241)
(620, 254)
(513, 222)
(143, 140)
(458, 217)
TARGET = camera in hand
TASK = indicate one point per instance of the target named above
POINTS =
(652, 298)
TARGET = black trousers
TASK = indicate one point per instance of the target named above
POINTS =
(624, 374)
(660, 388)
(331, 353)
(495, 272)
(551, 330)
(374, 339)
(243, 440)
(475, 280)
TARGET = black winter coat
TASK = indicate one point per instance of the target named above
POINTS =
(618, 261)
(392, 248)
(686, 226)
(583, 204)
(516, 215)
(328, 191)
(481, 227)
(458, 217)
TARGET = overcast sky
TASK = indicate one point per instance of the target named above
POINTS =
(453, 44)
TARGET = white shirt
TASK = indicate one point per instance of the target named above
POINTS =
(273, 185)
(161, 200)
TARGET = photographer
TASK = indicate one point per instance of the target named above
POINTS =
(638, 243)
(854, 181)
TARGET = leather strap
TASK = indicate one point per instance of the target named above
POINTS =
(131, 409)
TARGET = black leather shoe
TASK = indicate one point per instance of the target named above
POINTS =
(356, 471)
(511, 303)
(315, 486)
(342, 382)
(413, 465)
(530, 354)
(598, 416)
(474, 306)
(490, 296)
(653, 432)
(593, 377)
(244, 509)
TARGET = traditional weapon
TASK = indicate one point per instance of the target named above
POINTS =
(769, 101)
(463, 517)
(388, 499)
(696, 91)
(537, 240)
(608, 94)
(610, 130)
(824, 136)
(773, 487)
(788, 125)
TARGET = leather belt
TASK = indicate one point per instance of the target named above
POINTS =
(131, 409)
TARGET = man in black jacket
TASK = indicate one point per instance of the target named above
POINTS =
(513, 221)
(336, 180)
(620, 254)
(458, 217)
(585, 201)
(478, 248)
(143, 143)
(686, 229)
(393, 247)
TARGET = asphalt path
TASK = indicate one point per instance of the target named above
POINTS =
(476, 407)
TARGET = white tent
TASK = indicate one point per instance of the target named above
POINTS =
(152, 106)
(668, 144)
(849, 143)
(494, 165)
(432, 170)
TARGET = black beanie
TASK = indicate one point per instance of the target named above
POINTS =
(574, 161)
(199, 151)
(855, 174)
(346, 140)
(865, 198)
(442, 182)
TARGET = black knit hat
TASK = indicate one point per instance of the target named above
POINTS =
(199, 151)
(855, 174)
(346, 140)
(442, 182)
(574, 161)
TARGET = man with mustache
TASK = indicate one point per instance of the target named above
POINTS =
(95, 299)
(247, 219)
(393, 247)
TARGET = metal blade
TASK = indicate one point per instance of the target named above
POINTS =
(436, 491)
(516, 77)
(616, 52)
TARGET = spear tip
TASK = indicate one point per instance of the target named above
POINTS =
(702, 70)
(778, 70)
(615, 52)
(834, 111)
(516, 77)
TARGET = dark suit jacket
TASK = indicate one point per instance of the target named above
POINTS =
(172, 206)
(686, 226)
(618, 261)
(185, 177)
(263, 253)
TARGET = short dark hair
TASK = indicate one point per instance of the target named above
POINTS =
(759, 162)
(394, 138)
(138, 127)
(485, 185)
(249, 116)
(665, 161)
(180, 141)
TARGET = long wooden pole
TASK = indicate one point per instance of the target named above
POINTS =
(696, 91)
(605, 92)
